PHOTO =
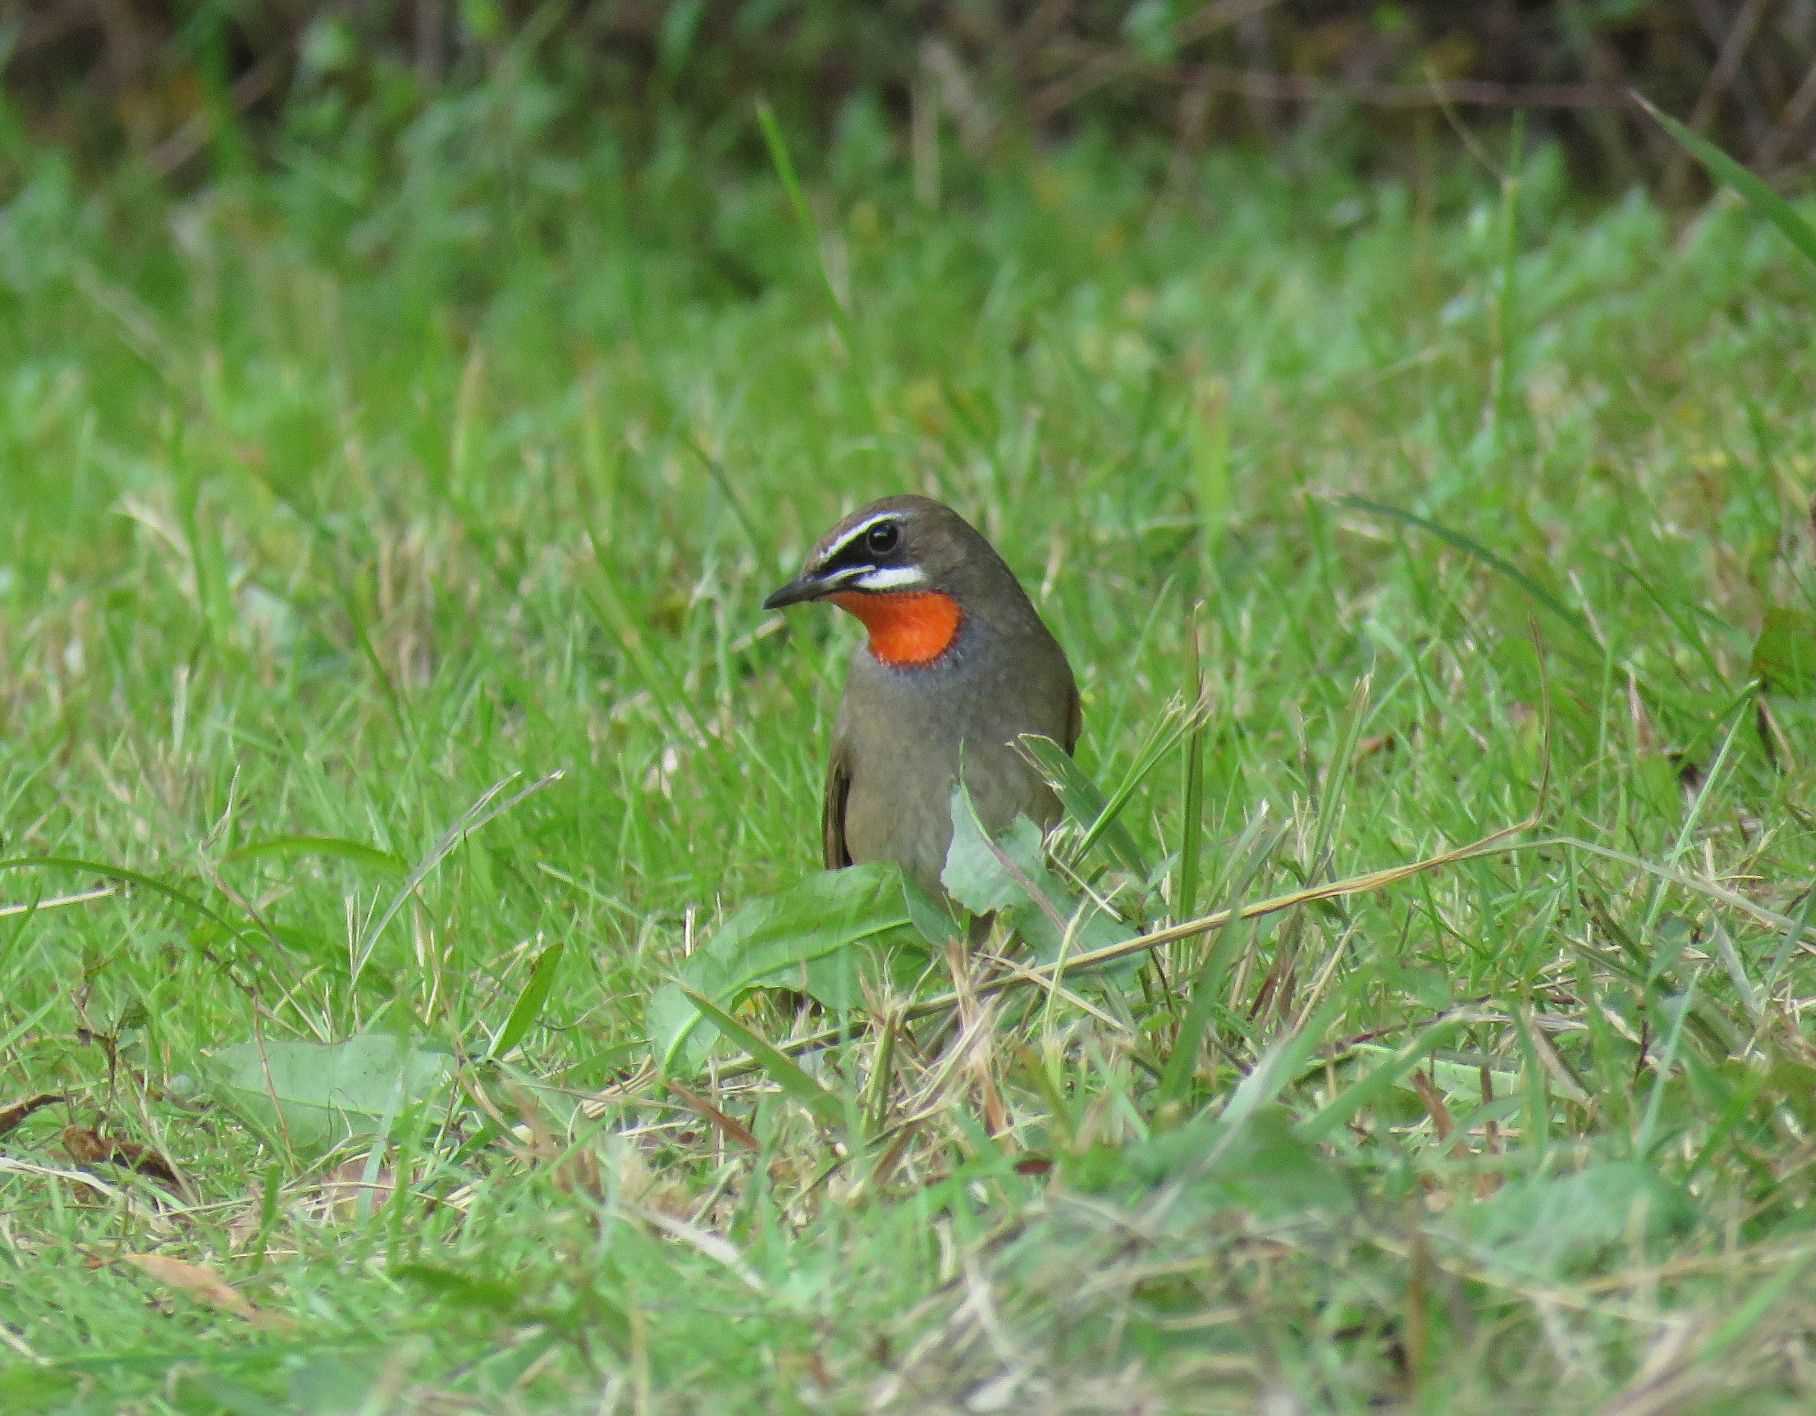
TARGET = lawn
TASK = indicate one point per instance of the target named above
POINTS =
(381, 658)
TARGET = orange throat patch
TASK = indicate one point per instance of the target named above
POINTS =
(907, 628)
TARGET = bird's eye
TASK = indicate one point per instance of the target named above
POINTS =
(882, 538)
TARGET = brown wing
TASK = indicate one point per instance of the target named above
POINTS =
(1075, 717)
(832, 810)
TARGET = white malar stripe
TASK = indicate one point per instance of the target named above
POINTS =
(832, 552)
(890, 577)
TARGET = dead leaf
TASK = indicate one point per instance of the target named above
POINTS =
(205, 1286)
(1643, 735)
(341, 1195)
(87, 1147)
(338, 1197)
(248, 1224)
(1437, 1110)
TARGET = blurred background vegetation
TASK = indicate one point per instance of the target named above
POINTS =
(155, 79)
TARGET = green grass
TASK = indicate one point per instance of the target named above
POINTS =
(339, 496)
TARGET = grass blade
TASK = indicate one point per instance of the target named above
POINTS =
(1083, 800)
(1497, 563)
(471, 820)
(1377, 1081)
(295, 847)
(1761, 198)
(1191, 826)
(823, 1105)
(1250, 853)
(530, 1002)
(127, 877)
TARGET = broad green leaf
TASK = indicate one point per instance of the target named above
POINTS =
(1008, 874)
(846, 978)
(934, 920)
(977, 874)
(1075, 926)
(1784, 655)
(782, 941)
(316, 1095)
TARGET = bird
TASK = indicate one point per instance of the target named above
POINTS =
(955, 666)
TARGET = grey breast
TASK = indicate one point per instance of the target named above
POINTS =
(966, 711)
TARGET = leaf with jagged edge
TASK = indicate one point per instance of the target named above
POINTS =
(1008, 875)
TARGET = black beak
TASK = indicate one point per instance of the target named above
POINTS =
(806, 586)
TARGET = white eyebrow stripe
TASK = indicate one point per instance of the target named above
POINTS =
(893, 577)
(832, 552)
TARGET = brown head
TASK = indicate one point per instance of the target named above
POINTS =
(914, 571)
